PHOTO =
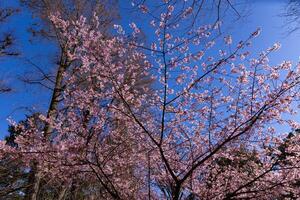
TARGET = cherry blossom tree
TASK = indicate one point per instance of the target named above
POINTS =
(50, 78)
(206, 130)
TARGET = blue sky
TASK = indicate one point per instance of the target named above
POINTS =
(23, 98)
(260, 13)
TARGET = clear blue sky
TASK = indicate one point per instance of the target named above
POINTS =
(261, 13)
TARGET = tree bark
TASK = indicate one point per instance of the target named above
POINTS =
(35, 183)
(62, 193)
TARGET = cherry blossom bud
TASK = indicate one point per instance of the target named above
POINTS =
(256, 33)
(228, 40)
